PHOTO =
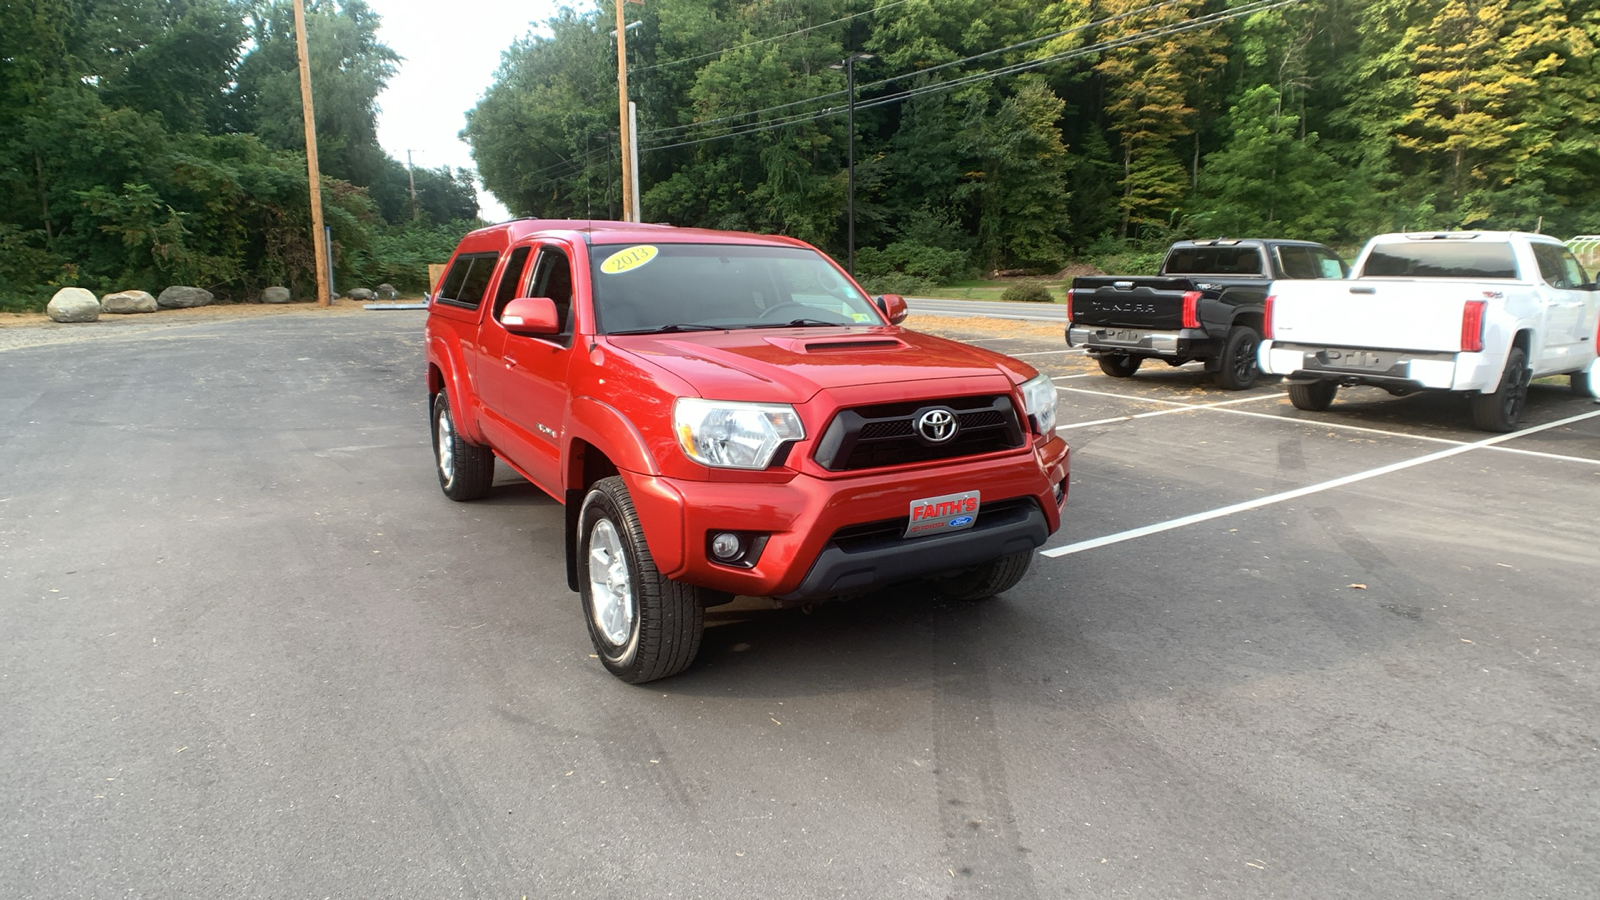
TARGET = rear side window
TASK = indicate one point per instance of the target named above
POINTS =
(468, 279)
(1309, 262)
(1213, 261)
(1558, 267)
(1442, 259)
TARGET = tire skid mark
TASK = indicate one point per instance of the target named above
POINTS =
(983, 847)
(477, 857)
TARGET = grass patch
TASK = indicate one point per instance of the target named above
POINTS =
(991, 289)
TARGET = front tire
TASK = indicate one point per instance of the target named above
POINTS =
(1501, 410)
(465, 470)
(1238, 370)
(986, 579)
(1120, 365)
(644, 625)
(1315, 396)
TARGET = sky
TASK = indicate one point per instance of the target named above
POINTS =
(451, 51)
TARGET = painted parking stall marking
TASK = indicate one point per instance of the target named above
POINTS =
(1248, 505)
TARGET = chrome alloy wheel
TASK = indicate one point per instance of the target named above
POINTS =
(445, 444)
(610, 584)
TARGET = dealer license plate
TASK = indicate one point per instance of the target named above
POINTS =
(949, 512)
(1122, 336)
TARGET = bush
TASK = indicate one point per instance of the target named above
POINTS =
(932, 265)
(898, 283)
(1028, 292)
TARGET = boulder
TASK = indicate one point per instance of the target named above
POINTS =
(361, 294)
(386, 291)
(125, 302)
(275, 295)
(183, 297)
(74, 304)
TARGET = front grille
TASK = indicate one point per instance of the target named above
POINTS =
(870, 437)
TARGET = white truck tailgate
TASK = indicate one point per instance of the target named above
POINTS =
(1401, 315)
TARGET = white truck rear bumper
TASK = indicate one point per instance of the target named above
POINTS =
(1381, 367)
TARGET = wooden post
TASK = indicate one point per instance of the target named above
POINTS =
(314, 176)
(622, 106)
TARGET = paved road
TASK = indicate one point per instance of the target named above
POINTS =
(991, 309)
(250, 651)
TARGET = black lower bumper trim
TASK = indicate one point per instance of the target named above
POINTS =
(884, 562)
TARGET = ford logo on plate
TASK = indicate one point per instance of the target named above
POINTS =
(959, 521)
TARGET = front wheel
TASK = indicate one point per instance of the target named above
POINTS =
(466, 470)
(985, 579)
(1120, 365)
(1315, 396)
(1237, 370)
(644, 625)
(1501, 410)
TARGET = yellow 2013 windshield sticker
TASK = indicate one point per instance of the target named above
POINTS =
(628, 260)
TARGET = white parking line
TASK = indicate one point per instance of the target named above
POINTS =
(1259, 502)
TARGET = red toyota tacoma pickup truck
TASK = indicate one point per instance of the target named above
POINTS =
(729, 414)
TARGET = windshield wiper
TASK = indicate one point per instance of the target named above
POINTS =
(669, 329)
(801, 323)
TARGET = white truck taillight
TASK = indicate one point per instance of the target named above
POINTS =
(1191, 309)
(1266, 319)
(1472, 326)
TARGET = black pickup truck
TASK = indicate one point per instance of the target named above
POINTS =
(1206, 304)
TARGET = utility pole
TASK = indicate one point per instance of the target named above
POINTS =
(849, 66)
(622, 107)
(411, 174)
(319, 240)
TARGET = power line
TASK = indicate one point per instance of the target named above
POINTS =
(776, 37)
(1139, 37)
(902, 77)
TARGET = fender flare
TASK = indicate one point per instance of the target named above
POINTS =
(457, 387)
(603, 426)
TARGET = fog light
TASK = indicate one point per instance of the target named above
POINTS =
(727, 546)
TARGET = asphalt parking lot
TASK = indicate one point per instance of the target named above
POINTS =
(249, 650)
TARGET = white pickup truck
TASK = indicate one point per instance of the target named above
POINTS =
(1482, 313)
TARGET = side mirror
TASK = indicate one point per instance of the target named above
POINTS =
(893, 307)
(531, 316)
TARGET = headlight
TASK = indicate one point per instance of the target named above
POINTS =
(732, 435)
(1039, 399)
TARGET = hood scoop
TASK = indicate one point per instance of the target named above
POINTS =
(844, 345)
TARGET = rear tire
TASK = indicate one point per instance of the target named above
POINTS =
(1315, 396)
(644, 626)
(1120, 365)
(1580, 385)
(1238, 370)
(984, 580)
(1501, 410)
(465, 470)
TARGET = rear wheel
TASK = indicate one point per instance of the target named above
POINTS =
(1580, 384)
(644, 625)
(1501, 410)
(466, 470)
(1238, 367)
(1120, 365)
(1315, 396)
(985, 579)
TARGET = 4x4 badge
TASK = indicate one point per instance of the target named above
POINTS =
(937, 426)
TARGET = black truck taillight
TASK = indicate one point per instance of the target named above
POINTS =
(1191, 309)
(1472, 326)
(1069, 304)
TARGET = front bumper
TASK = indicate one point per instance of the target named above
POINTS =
(1382, 367)
(1187, 343)
(814, 523)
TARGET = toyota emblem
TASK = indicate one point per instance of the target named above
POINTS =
(937, 426)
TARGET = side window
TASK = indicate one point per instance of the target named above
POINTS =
(552, 277)
(1297, 262)
(512, 280)
(1574, 269)
(1558, 267)
(1328, 265)
(468, 279)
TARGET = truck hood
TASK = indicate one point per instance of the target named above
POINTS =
(792, 365)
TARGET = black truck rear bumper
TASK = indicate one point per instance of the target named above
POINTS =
(1186, 343)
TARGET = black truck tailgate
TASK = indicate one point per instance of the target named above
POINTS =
(1142, 302)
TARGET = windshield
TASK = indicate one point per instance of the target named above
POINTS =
(641, 288)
